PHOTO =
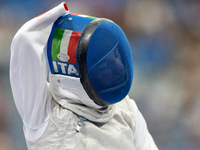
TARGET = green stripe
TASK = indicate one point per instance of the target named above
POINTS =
(91, 17)
(57, 38)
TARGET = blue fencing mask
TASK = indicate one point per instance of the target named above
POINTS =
(97, 51)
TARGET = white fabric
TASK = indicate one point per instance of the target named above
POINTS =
(143, 139)
(28, 76)
(28, 69)
(104, 129)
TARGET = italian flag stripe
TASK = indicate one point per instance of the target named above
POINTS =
(56, 43)
(73, 45)
(65, 42)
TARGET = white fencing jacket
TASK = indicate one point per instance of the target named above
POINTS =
(51, 111)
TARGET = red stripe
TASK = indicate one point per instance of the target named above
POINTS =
(73, 45)
(74, 14)
(66, 7)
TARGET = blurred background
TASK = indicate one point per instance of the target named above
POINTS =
(165, 39)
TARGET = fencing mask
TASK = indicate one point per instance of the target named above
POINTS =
(97, 51)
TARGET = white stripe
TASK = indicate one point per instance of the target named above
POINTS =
(65, 41)
(83, 16)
